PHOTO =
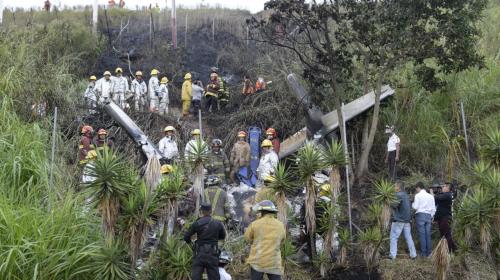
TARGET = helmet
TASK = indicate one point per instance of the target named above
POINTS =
(154, 72)
(266, 143)
(196, 132)
(187, 76)
(242, 134)
(92, 154)
(93, 78)
(216, 142)
(389, 128)
(164, 80)
(225, 257)
(214, 69)
(212, 180)
(107, 73)
(269, 179)
(138, 73)
(169, 128)
(102, 131)
(213, 75)
(271, 131)
(118, 70)
(325, 190)
(266, 205)
(166, 168)
(87, 128)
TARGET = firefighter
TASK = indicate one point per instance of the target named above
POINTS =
(139, 89)
(206, 249)
(154, 90)
(191, 146)
(168, 145)
(223, 94)
(266, 236)
(102, 140)
(247, 86)
(90, 95)
(212, 93)
(217, 197)
(120, 87)
(260, 85)
(85, 144)
(163, 96)
(104, 87)
(268, 161)
(240, 155)
(187, 94)
(218, 164)
(272, 135)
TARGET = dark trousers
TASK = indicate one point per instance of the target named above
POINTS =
(211, 102)
(255, 275)
(391, 160)
(196, 106)
(445, 230)
(208, 262)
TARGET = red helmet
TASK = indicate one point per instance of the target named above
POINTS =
(271, 131)
(242, 134)
(87, 129)
(102, 131)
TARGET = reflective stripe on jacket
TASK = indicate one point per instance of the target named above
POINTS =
(217, 197)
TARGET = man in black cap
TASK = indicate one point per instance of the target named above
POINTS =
(206, 251)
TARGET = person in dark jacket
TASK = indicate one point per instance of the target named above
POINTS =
(206, 251)
(444, 202)
(401, 217)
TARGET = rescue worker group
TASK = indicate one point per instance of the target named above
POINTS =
(266, 234)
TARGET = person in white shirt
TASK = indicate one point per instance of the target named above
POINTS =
(197, 94)
(392, 152)
(154, 90)
(191, 146)
(168, 146)
(103, 88)
(268, 161)
(163, 96)
(120, 87)
(425, 208)
(139, 89)
(90, 96)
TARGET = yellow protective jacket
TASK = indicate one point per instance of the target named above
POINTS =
(266, 235)
(187, 90)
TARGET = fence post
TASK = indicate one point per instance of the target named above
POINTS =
(174, 25)
(186, 32)
(95, 10)
(52, 157)
(213, 29)
(465, 129)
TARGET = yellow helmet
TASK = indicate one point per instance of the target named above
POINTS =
(107, 73)
(93, 78)
(166, 168)
(118, 70)
(169, 128)
(196, 132)
(164, 80)
(92, 154)
(269, 179)
(154, 72)
(325, 189)
(187, 76)
(138, 73)
(266, 143)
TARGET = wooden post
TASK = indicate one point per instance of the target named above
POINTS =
(213, 29)
(465, 130)
(174, 25)
(95, 10)
(151, 28)
(186, 32)
(248, 32)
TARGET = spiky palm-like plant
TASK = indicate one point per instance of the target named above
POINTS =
(441, 259)
(375, 211)
(334, 157)
(110, 262)
(385, 195)
(344, 244)
(168, 194)
(172, 261)
(137, 218)
(281, 185)
(490, 149)
(370, 240)
(111, 185)
(309, 160)
(197, 156)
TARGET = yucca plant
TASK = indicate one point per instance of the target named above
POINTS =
(281, 185)
(197, 156)
(152, 174)
(371, 239)
(344, 244)
(111, 185)
(375, 211)
(441, 259)
(168, 194)
(385, 196)
(172, 261)
(334, 157)
(330, 213)
(136, 219)
(490, 149)
(309, 160)
(110, 261)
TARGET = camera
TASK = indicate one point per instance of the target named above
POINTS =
(437, 188)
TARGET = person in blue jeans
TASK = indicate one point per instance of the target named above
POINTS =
(425, 209)
(401, 217)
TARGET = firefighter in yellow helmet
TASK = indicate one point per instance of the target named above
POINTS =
(168, 145)
(266, 236)
(140, 90)
(163, 96)
(187, 94)
(212, 93)
(120, 88)
(104, 87)
(154, 90)
(268, 160)
(90, 96)
(194, 144)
